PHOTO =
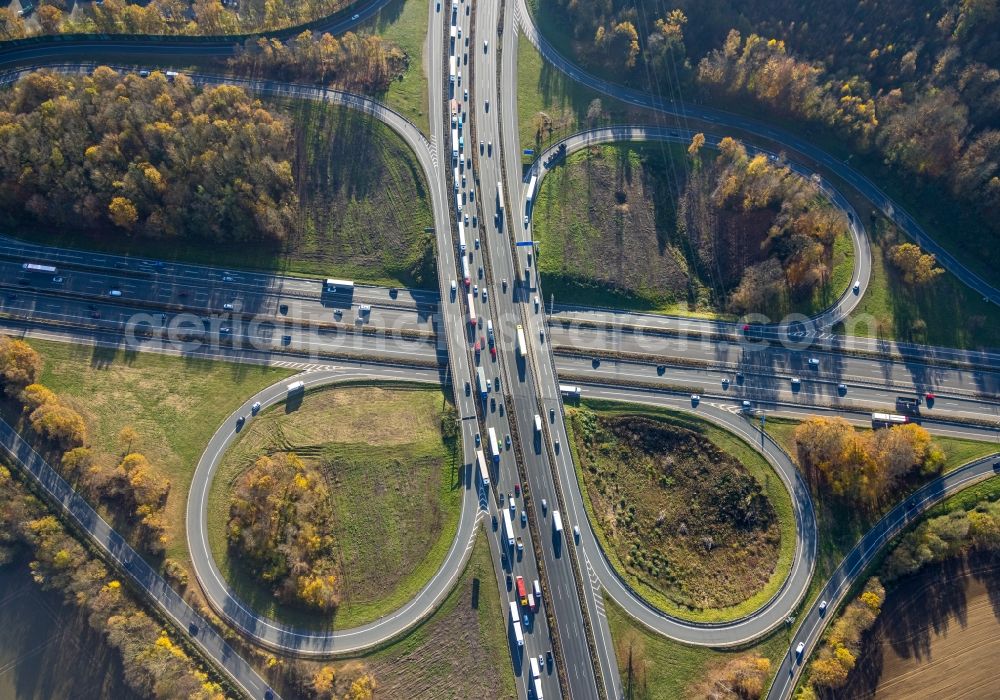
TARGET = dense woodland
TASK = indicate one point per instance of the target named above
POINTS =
(280, 523)
(206, 17)
(757, 230)
(126, 155)
(915, 82)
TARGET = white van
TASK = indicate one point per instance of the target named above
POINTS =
(115, 293)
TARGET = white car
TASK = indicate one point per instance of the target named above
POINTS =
(576, 533)
(695, 399)
(255, 408)
(487, 105)
(227, 307)
(857, 286)
(822, 607)
(525, 221)
(486, 45)
(799, 649)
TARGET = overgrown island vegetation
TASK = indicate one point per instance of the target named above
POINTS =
(203, 17)
(921, 97)
(703, 231)
(154, 165)
(692, 518)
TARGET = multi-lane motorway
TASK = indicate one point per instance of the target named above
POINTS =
(627, 363)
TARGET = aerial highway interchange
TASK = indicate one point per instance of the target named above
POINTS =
(256, 317)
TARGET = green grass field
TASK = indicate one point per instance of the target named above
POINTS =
(945, 312)
(751, 460)
(461, 651)
(404, 23)
(393, 478)
(543, 89)
(669, 670)
(363, 207)
(174, 404)
(608, 236)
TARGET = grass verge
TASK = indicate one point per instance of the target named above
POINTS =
(669, 670)
(945, 312)
(404, 23)
(175, 405)
(394, 481)
(460, 651)
(752, 461)
(543, 89)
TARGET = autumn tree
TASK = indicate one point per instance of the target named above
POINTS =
(862, 467)
(323, 683)
(126, 437)
(60, 424)
(49, 18)
(916, 267)
(123, 213)
(76, 462)
(11, 26)
(20, 365)
(743, 677)
(281, 523)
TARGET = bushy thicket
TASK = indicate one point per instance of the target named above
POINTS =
(759, 230)
(280, 522)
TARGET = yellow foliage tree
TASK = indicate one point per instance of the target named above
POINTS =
(123, 212)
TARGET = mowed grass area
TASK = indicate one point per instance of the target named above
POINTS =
(541, 88)
(752, 590)
(363, 207)
(174, 404)
(944, 312)
(461, 651)
(841, 526)
(48, 651)
(668, 670)
(605, 223)
(404, 23)
(394, 480)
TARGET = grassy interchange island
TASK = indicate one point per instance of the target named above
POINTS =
(388, 492)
